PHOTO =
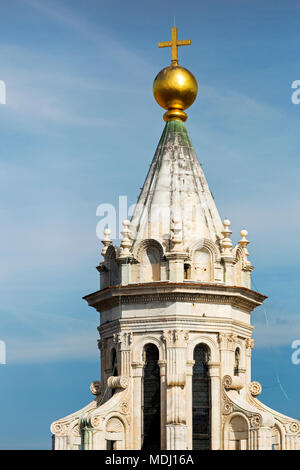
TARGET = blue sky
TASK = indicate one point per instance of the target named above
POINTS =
(80, 128)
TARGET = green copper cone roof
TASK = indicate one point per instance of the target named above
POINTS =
(175, 188)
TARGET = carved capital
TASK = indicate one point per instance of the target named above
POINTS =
(227, 341)
(249, 343)
(102, 344)
(175, 338)
(124, 339)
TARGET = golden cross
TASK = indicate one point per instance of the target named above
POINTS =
(174, 44)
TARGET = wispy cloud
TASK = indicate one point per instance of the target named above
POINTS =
(277, 332)
(103, 40)
(80, 344)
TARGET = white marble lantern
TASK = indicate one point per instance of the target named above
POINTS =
(175, 303)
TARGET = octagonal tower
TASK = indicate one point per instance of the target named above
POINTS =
(175, 302)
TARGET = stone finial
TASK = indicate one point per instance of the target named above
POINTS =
(125, 243)
(226, 242)
(106, 240)
(243, 243)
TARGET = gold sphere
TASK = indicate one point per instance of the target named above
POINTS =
(175, 89)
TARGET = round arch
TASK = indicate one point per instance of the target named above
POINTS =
(144, 245)
(209, 245)
(236, 432)
(139, 345)
(209, 342)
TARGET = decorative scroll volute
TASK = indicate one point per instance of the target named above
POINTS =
(59, 429)
(255, 388)
(118, 382)
(233, 383)
(96, 388)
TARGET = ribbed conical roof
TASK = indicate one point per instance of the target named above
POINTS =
(175, 188)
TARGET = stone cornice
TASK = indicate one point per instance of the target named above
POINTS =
(194, 323)
(239, 297)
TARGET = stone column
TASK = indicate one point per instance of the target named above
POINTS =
(137, 373)
(189, 403)
(88, 439)
(98, 440)
(264, 438)
(124, 339)
(215, 387)
(227, 342)
(176, 266)
(176, 342)
(60, 443)
(163, 401)
(249, 346)
(102, 345)
(125, 266)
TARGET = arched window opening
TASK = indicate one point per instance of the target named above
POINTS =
(110, 445)
(114, 271)
(151, 265)
(202, 265)
(114, 434)
(187, 271)
(237, 357)
(238, 433)
(114, 366)
(276, 438)
(201, 399)
(151, 399)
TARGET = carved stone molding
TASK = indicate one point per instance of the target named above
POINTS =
(102, 344)
(114, 425)
(255, 421)
(175, 338)
(137, 364)
(124, 407)
(255, 388)
(76, 431)
(176, 380)
(227, 408)
(96, 422)
(224, 297)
